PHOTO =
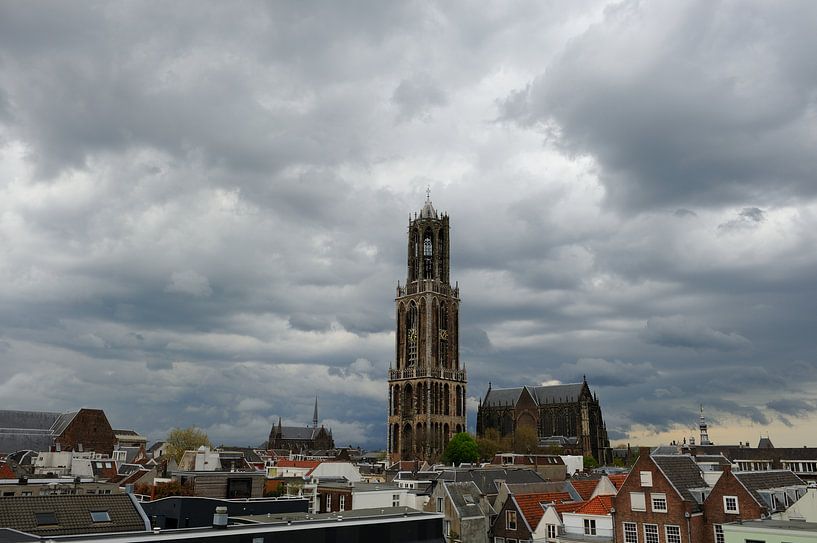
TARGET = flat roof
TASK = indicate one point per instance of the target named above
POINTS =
(774, 524)
(361, 487)
(375, 512)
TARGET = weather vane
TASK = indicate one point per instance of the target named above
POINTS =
(428, 193)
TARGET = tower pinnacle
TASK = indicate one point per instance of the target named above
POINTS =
(315, 414)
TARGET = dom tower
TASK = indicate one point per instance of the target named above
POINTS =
(427, 386)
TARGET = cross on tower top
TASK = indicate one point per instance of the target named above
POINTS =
(428, 193)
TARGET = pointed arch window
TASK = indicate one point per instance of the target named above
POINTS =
(443, 335)
(411, 334)
(428, 253)
(441, 255)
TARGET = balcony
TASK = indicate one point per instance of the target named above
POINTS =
(428, 285)
(438, 373)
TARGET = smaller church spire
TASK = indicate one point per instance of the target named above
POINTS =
(315, 414)
(703, 428)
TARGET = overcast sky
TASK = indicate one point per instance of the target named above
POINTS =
(203, 207)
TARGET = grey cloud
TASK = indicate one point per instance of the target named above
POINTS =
(604, 373)
(747, 217)
(219, 196)
(681, 212)
(415, 97)
(796, 408)
(678, 331)
(677, 105)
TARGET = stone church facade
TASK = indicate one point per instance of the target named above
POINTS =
(426, 383)
(301, 438)
(566, 416)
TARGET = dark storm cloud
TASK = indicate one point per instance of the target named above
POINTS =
(677, 331)
(203, 209)
(686, 103)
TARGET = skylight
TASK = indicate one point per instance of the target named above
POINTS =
(100, 516)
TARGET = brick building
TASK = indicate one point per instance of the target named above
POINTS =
(739, 496)
(660, 501)
(82, 430)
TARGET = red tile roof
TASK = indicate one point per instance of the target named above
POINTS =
(600, 505)
(617, 479)
(568, 507)
(585, 487)
(531, 504)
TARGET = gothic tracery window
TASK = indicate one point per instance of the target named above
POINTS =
(411, 334)
(443, 333)
(428, 261)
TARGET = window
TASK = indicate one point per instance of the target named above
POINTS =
(630, 532)
(646, 478)
(511, 540)
(659, 503)
(395, 500)
(553, 531)
(673, 534)
(45, 518)
(100, 516)
(730, 504)
(637, 501)
(499, 540)
(447, 528)
(8, 494)
(651, 533)
(510, 520)
(342, 504)
(25, 493)
(239, 488)
(439, 505)
(589, 526)
(719, 534)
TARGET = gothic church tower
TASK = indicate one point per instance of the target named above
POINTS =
(427, 386)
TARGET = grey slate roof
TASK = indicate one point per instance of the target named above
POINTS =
(756, 481)
(569, 392)
(298, 432)
(502, 396)
(682, 472)
(545, 488)
(21, 430)
(465, 498)
(713, 459)
(564, 393)
(488, 480)
(73, 514)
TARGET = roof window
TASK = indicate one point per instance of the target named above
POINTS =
(45, 518)
(100, 516)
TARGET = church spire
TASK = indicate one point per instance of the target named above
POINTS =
(315, 414)
(704, 431)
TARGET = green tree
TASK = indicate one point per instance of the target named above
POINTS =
(590, 462)
(489, 444)
(461, 448)
(185, 439)
(525, 440)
